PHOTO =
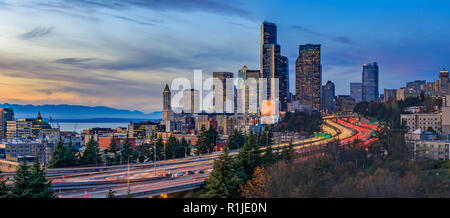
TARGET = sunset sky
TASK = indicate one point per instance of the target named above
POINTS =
(121, 53)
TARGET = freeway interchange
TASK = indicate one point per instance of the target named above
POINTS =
(153, 179)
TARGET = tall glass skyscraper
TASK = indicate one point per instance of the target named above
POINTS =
(273, 65)
(356, 91)
(328, 95)
(308, 81)
(370, 82)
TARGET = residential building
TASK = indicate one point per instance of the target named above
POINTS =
(421, 120)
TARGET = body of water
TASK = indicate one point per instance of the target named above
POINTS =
(78, 127)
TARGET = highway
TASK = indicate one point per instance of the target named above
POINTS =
(150, 179)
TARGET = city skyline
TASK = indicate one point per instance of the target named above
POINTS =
(79, 52)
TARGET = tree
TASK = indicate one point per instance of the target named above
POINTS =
(202, 146)
(39, 185)
(126, 150)
(222, 183)
(90, 154)
(248, 158)
(4, 190)
(171, 147)
(113, 149)
(269, 157)
(211, 138)
(184, 148)
(111, 193)
(287, 153)
(63, 156)
(236, 139)
(22, 188)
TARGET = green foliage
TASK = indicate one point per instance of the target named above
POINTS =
(207, 140)
(265, 138)
(287, 153)
(236, 139)
(222, 182)
(30, 182)
(301, 122)
(111, 194)
(4, 190)
(63, 156)
(90, 155)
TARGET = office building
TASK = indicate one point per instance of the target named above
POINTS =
(191, 101)
(328, 96)
(221, 86)
(6, 114)
(414, 89)
(370, 82)
(283, 82)
(345, 104)
(356, 91)
(443, 83)
(390, 95)
(249, 99)
(400, 94)
(308, 74)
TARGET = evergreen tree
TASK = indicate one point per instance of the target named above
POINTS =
(248, 158)
(269, 157)
(39, 185)
(211, 138)
(4, 190)
(202, 143)
(58, 156)
(69, 155)
(171, 147)
(90, 154)
(184, 148)
(287, 153)
(236, 139)
(222, 183)
(126, 150)
(22, 187)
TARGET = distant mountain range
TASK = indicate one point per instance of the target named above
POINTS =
(68, 113)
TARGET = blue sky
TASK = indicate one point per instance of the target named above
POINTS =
(120, 53)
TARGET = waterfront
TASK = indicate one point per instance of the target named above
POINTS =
(78, 127)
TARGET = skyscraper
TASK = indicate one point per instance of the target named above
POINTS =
(308, 75)
(270, 57)
(328, 96)
(191, 101)
(356, 91)
(167, 109)
(390, 95)
(6, 114)
(250, 100)
(227, 101)
(283, 82)
(443, 82)
(414, 88)
(370, 82)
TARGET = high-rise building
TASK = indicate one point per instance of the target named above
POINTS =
(414, 88)
(390, 95)
(268, 33)
(308, 74)
(443, 83)
(344, 104)
(401, 94)
(227, 98)
(356, 91)
(251, 98)
(6, 114)
(284, 83)
(328, 96)
(370, 82)
(191, 101)
(167, 109)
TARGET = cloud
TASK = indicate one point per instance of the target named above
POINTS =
(210, 6)
(37, 32)
(135, 21)
(341, 39)
(344, 39)
(73, 61)
(306, 30)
